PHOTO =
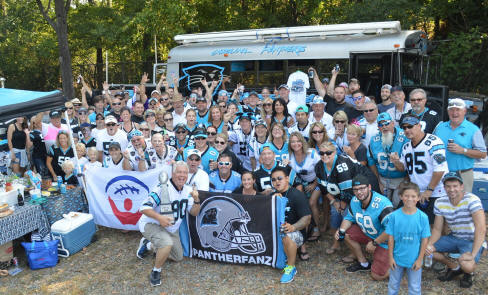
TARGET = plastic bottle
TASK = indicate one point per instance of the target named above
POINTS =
(428, 261)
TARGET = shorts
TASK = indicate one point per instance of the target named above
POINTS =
(296, 237)
(381, 262)
(451, 244)
(160, 238)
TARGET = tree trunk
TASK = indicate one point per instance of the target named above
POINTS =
(99, 68)
(63, 46)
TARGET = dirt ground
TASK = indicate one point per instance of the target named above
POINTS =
(110, 266)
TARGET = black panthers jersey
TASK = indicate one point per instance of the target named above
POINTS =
(263, 176)
(338, 181)
(59, 157)
(428, 119)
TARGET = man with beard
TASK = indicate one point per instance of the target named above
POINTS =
(202, 110)
(160, 231)
(134, 157)
(424, 159)
(111, 133)
(386, 102)
(401, 106)
(116, 106)
(428, 118)
(164, 100)
(389, 139)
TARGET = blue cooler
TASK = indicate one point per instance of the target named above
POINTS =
(74, 232)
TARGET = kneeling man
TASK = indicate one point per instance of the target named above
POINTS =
(297, 218)
(160, 231)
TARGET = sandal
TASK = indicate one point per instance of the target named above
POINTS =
(303, 255)
(314, 238)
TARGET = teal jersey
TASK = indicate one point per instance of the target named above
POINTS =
(210, 154)
(374, 219)
(280, 154)
(378, 154)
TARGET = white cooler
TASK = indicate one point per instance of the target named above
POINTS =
(11, 197)
(74, 232)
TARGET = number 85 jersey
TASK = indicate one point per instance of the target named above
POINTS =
(422, 160)
(374, 218)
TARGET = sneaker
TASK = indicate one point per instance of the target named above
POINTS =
(357, 267)
(450, 274)
(466, 281)
(155, 278)
(289, 273)
(142, 249)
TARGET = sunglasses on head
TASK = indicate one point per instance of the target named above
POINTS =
(384, 123)
(224, 163)
(328, 153)
(340, 122)
(277, 178)
(405, 127)
(317, 131)
(356, 98)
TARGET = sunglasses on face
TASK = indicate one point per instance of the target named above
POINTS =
(70, 108)
(369, 111)
(220, 142)
(144, 129)
(180, 132)
(356, 98)
(212, 133)
(328, 153)
(163, 99)
(317, 131)
(224, 163)
(116, 103)
(405, 127)
(340, 122)
(416, 99)
(384, 123)
(111, 124)
(267, 104)
(168, 119)
(194, 159)
(200, 138)
(277, 178)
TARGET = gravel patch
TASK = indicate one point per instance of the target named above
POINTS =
(110, 266)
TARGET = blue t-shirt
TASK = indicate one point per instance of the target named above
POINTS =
(378, 155)
(467, 135)
(93, 116)
(224, 185)
(374, 218)
(408, 232)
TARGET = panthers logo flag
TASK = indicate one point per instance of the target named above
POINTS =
(236, 229)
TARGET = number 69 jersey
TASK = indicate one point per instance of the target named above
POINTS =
(374, 218)
(423, 160)
(181, 203)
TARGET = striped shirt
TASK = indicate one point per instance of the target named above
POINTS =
(459, 218)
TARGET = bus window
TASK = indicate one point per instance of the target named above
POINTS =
(243, 72)
(271, 73)
(299, 65)
(324, 68)
(373, 70)
(411, 74)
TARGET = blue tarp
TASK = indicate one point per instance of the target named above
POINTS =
(15, 103)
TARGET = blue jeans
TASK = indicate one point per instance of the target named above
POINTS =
(335, 217)
(451, 244)
(414, 280)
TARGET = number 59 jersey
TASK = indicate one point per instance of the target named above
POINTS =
(422, 160)
(374, 218)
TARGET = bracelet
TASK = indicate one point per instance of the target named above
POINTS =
(197, 203)
(430, 189)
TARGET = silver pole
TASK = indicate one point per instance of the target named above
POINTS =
(155, 50)
(106, 66)
(2, 82)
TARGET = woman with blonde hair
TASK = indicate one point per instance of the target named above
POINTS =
(59, 153)
(356, 149)
(317, 135)
(267, 109)
(216, 119)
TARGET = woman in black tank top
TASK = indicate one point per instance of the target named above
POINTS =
(17, 143)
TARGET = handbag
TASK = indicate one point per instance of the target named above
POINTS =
(41, 254)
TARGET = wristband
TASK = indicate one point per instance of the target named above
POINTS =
(374, 243)
(465, 150)
(430, 189)
(197, 203)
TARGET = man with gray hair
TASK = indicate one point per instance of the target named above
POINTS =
(163, 211)
(386, 102)
(428, 118)
(463, 141)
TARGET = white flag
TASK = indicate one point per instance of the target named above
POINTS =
(115, 196)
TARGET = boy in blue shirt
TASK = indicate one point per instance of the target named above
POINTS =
(408, 232)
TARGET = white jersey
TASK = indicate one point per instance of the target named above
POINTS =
(305, 170)
(104, 140)
(326, 120)
(90, 165)
(199, 179)
(254, 148)
(134, 157)
(165, 162)
(109, 163)
(369, 130)
(422, 161)
(303, 131)
(298, 83)
(241, 146)
(181, 203)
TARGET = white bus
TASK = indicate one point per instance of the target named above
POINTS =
(376, 53)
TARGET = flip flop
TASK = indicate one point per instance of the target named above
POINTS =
(303, 255)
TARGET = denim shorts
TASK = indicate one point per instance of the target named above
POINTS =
(451, 244)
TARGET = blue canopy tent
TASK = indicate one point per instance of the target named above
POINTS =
(16, 103)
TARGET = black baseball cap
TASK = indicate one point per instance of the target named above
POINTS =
(55, 114)
(452, 175)
(360, 180)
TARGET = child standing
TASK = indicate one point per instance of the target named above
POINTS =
(408, 230)
(92, 159)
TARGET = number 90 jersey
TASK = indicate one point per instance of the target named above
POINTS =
(374, 218)
(423, 160)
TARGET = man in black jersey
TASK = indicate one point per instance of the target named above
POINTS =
(428, 118)
(263, 174)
